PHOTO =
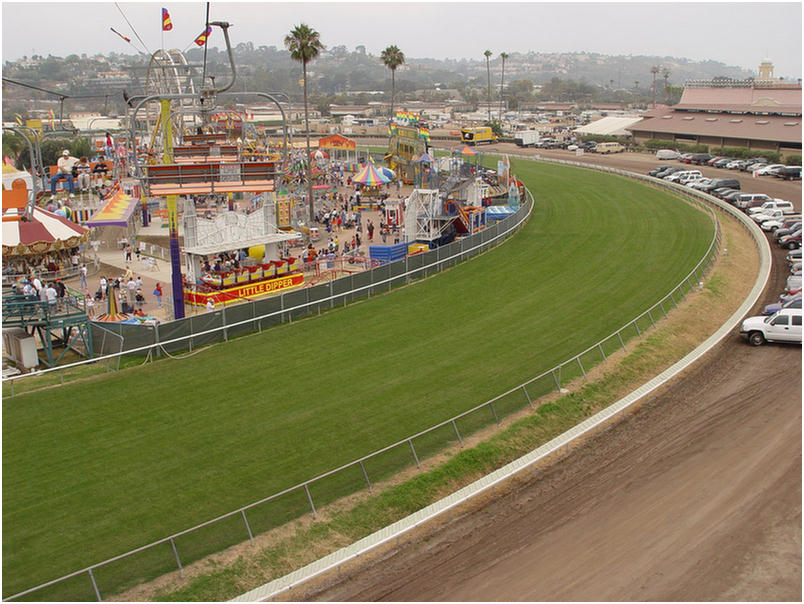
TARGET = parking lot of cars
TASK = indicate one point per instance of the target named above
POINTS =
(781, 320)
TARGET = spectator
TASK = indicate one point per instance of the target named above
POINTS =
(210, 305)
(82, 272)
(84, 169)
(64, 171)
(109, 147)
(158, 295)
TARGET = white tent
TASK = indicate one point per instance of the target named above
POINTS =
(610, 126)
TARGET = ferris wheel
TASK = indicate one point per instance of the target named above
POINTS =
(169, 73)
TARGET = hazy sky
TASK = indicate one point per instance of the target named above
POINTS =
(735, 33)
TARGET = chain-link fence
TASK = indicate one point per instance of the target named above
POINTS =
(175, 551)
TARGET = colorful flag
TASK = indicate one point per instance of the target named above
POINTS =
(52, 115)
(203, 36)
(121, 35)
(166, 24)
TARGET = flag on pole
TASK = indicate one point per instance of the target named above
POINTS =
(203, 36)
(121, 35)
(166, 23)
(52, 115)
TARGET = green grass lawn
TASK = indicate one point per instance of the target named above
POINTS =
(95, 468)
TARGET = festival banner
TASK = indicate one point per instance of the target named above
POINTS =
(167, 25)
(203, 36)
(246, 290)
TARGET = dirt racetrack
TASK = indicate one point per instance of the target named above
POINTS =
(696, 497)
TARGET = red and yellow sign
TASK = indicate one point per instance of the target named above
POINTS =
(246, 290)
(336, 141)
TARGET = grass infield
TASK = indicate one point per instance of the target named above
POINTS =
(98, 467)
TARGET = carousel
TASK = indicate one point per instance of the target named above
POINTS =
(31, 233)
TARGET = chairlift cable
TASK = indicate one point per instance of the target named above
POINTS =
(144, 45)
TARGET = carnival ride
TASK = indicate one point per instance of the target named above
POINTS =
(28, 231)
(202, 163)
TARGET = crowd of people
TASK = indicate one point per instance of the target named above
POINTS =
(49, 265)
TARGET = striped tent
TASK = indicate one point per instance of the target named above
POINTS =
(370, 176)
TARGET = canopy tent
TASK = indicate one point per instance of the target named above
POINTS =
(370, 176)
(610, 126)
(387, 172)
(46, 232)
(425, 158)
(498, 212)
(117, 211)
(467, 150)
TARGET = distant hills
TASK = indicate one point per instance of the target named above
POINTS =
(343, 75)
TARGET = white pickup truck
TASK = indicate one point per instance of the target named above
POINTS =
(784, 326)
(776, 204)
(760, 217)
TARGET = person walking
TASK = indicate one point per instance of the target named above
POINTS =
(82, 273)
(158, 295)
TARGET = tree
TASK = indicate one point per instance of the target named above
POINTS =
(503, 56)
(304, 44)
(487, 54)
(392, 58)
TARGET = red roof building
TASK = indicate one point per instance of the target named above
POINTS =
(757, 114)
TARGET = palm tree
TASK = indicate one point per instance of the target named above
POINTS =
(304, 44)
(487, 54)
(392, 58)
(503, 56)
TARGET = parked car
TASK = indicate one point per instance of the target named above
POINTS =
(721, 182)
(774, 224)
(658, 169)
(783, 326)
(685, 158)
(794, 256)
(722, 162)
(791, 241)
(733, 197)
(794, 302)
(684, 176)
(700, 158)
(723, 192)
(737, 164)
(790, 295)
(698, 183)
(789, 173)
(747, 199)
(768, 169)
(754, 163)
(761, 217)
(669, 171)
(776, 204)
(786, 227)
(667, 154)
(793, 282)
(795, 267)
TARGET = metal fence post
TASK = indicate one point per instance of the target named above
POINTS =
(527, 396)
(496, 419)
(557, 382)
(639, 333)
(176, 554)
(415, 457)
(248, 528)
(600, 348)
(581, 366)
(650, 316)
(662, 307)
(365, 475)
(309, 499)
(458, 434)
(94, 586)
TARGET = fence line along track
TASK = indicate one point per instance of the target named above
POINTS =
(624, 333)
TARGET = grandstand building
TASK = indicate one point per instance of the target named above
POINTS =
(758, 113)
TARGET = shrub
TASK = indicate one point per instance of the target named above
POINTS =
(793, 160)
